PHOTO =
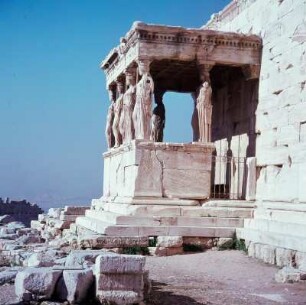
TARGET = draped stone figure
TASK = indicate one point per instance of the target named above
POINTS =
(142, 111)
(158, 119)
(117, 114)
(109, 122)
(204, 108)
(126, 119)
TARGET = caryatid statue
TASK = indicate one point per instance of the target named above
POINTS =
(109, 120)
(158, 118)
(204, 107)
(126, 125)
(143, 107)
(117, 114)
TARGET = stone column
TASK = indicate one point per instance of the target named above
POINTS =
(143, 107)
(110, 117)
(117, 112)
(204, 104)
(158, 117)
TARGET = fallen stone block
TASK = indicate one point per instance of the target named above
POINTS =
(40, 282)
(163, 251)
(42, 259)
(7, 276)
(100, 242)
(114, 263)
(119, 297)
(284, 257)
(55, 212)
(169, 241)
(76, 285)
(201, 242)
(225, 243)
(37, 225)
(288, 275)
(15, 225)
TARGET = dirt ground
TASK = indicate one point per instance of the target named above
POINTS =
(212, 277)
(218, 277)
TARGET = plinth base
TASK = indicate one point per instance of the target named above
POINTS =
(144, 171)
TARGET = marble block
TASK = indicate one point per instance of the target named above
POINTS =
(144, 169)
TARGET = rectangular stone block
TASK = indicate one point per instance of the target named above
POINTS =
(284, 257)
(186, 183)
(124, 282)
(120, 264)
(75, 210)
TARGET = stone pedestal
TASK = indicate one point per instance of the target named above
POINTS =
(156, 172)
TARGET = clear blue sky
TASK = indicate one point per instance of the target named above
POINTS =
(52, 93)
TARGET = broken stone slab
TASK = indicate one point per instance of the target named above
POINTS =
(7, 276)
(42, 259)
(114, 263)
(100, 242)
(77, 258)
(169, 241)
(15, 225)
(39, 282)
(289, 275)
(30, 239)
(26, 231)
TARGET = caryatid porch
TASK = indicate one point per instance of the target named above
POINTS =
(150, 186)
(149, 61)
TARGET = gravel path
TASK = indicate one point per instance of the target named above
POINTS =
(212, 277)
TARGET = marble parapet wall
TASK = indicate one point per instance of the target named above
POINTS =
(150, 170)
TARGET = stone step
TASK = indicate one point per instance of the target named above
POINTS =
(172, 211)
(164, 220)
(126, 230)
(284, 206)
(280, 227)
(273, 239)
(224, 212)
(280, 215)
(229, 203)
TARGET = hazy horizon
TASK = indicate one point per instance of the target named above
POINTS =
(53, 100)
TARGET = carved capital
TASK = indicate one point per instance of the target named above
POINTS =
(143, 65)
(130, 74)
(112, 92)
(120, 82)
(251, 71)
(204, 71)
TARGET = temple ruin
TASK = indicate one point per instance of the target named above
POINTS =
(243, 171)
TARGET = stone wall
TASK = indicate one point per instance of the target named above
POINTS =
(281, 111)
(20, 210)
(276, 235)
